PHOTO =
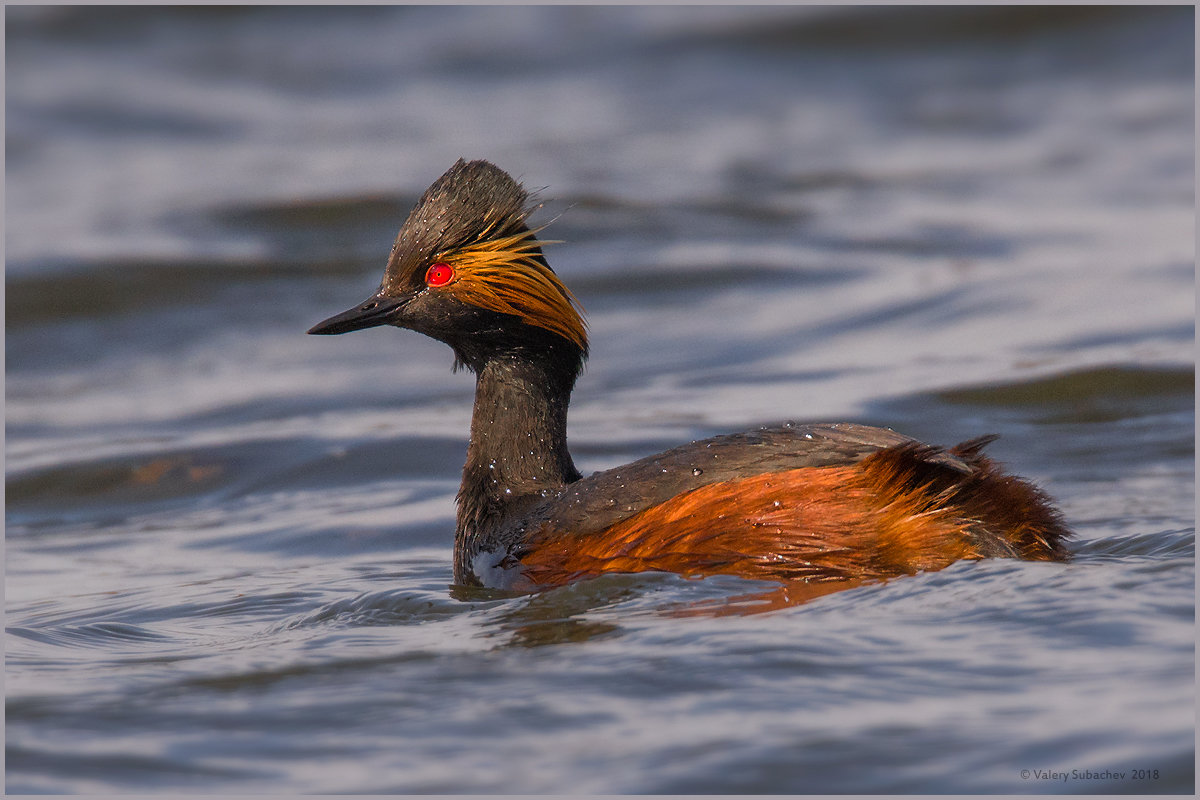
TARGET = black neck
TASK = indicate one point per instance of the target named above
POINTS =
(518, 451)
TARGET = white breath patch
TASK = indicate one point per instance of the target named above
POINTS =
(487, 568)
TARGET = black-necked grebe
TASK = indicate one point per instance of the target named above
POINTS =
(814, 503)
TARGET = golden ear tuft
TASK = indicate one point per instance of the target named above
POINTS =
(508, 276)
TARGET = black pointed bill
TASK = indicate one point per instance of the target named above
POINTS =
(378, 309)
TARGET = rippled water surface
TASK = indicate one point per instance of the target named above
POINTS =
(228, 543)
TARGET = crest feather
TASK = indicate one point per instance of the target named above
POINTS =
(509, 276)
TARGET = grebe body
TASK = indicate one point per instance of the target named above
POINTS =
(815, 503)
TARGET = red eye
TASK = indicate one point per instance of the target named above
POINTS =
(439, 274)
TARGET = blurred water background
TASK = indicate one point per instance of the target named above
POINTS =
(228, 543)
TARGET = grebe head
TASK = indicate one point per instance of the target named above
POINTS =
(468, 271)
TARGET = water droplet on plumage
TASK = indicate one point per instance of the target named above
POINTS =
(697, 472)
